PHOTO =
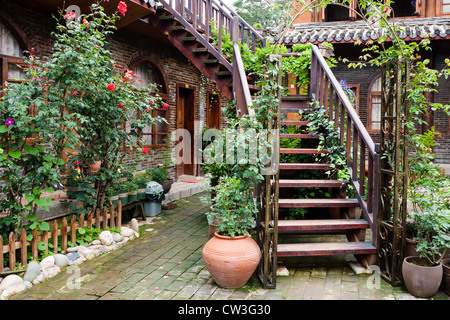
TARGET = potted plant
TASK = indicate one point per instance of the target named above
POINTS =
(231, 256)
(141, 180)
(161, 176)
(423, 275)
(113, 194)
(123, 193)
(132, 190)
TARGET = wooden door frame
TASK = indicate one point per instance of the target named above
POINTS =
(193, 89)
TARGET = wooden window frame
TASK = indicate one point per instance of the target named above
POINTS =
(440, 9)
(159, 75)
(370, 95)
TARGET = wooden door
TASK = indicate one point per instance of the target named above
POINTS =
(185, 120)
(213, 110)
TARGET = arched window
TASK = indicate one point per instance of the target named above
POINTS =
(150, 75)
(374, 105)
(11, 53)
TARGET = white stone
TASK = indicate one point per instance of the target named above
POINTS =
(282, 271)
(47, 262)
(106, 238)
(61, 260)
(126, 232)
(88, 253)
(117, 237)
(10, 285)
(51, 272)
(33, 270)
(134, 225)
(96, 242)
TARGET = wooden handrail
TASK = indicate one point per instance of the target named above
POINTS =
(358, 143)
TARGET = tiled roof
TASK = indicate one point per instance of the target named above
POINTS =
(351, 31)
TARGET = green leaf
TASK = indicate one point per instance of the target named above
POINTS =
(3, 129)
(44, 226)
(32, 217)
(49, 190)
(29, 149)
(15, 154)
(41, 246)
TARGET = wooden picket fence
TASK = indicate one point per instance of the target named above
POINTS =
(101, 219)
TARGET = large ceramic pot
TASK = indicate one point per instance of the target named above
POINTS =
(446, 275)
(421, 281)
(231, 261)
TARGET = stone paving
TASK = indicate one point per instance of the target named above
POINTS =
(165, 263)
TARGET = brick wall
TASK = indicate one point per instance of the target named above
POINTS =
(126, 47)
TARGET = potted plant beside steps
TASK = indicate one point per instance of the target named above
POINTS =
(231, 256)
(423, 275)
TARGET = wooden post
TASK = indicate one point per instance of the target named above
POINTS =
(105, 218)
(73, 231)
(1, 254)
(89, 219)
(119, 214)
(55, 236)
(97, 219)
(12, 251)
(34, 244)
(23, 247)
(112, 215)
(44, 238)
(64, 234)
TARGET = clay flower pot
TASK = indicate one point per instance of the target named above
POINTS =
(421, 281)
(231, 261)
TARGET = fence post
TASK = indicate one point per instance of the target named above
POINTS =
(1, 254)
(12, 251)
(23, 247)
(34, 244)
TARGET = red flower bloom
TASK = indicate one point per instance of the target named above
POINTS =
(166, 106)
(147, 110)
(111, 86)
(145, 150)
(151, 102)
(122, 7)
(75, 93)
(86, 23)
(121, 105)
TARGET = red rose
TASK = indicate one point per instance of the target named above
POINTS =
(166, 106)
(145, 150)
(111, 86)
(121, 105)
(122, 7)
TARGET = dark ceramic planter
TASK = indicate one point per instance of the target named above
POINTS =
(421, 281)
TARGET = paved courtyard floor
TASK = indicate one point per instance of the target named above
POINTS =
(165, 263)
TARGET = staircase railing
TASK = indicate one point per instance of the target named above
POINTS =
(362, 153)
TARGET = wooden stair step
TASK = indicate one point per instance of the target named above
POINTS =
(298, 136)
(302, 151)
(324, 249)
(210, 61)
(311, 183)
(177, 28)
(199, 50)
(294, 123)
(320, 225)
(318, 203)
(304, 166)
(188, 39)
(166, 17)
(223, 73)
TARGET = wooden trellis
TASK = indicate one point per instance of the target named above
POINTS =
(393, 173)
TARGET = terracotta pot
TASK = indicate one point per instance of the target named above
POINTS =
(231, 261)
(446, 275)
(421, 281)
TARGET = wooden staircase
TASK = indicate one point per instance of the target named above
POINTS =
(333, 214)
(346, 220)
(187, 25)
